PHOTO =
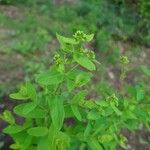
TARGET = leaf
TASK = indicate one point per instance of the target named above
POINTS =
(52, 137)
(27, 91)
(102, 103)
(50, 78)
(116, 110)
(43, 144)
(63, 140)
(84, 61)
(13, 129)
(63, 39)
(38, 131)
(79, 97)
(35, 113)
(87, 130)
(57, 111)
(89, 37)
(93, 115)
(66, 43)
(31, 91)
(29, 107)
(27, 141)
(105, 138)
(14, 146)
(94, 144)
(77, 78)
(8, 117)
(18, 96)
(82, 78)
(76, 112)
(70, 85)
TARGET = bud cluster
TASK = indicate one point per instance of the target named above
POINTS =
(90, 54)
(124, 60)
(80, 36)
(113, 99)
(57, 59)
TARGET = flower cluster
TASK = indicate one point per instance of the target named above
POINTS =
(124, 60)
(80, 36)
(90, 54)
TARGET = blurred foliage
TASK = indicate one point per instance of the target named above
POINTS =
(109, 20)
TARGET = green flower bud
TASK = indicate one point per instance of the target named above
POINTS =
(80, 36)
(112, 99)
(124, 60)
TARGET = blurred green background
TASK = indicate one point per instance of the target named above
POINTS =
(28, 42)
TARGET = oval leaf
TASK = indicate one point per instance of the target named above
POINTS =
(50, 78)
(84, 61)
(76, 112)
(57, 111)
(35, 113)
(29, 107)
(38, 131)
(13, 129)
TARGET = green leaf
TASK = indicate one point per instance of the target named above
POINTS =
(70, 85)
(27, 91)
(89, 37)
(94, 144)
(31, 91)
(76, 112)
(8, 117)
(50, 78)
(35, 113)
(93, 115)
(84, 61)
(105, 138)
(116, 110)
(57, 111)
(63, 40)
(79, 97)
(29, 107)
(53, 131)
(87, 130)
(18, 96)
(43, 144)
(14, 146)
(13, 129)
(38, 131)
(82, 78)
(102, 103)
(63, 140)
(66, 43)
(77, 78)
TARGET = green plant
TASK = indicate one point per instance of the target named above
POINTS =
(6, 1)
(58, 115)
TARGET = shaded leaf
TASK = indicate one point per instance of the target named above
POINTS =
(76, 112)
